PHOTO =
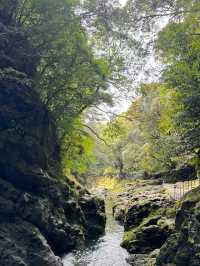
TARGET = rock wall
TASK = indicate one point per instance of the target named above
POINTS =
(183, 247)
(41, 212)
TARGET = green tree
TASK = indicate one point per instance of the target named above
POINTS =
(52, 49)
(181, 54)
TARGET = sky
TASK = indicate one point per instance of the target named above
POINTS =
(150, 72)
(123, 2)
(122, 99)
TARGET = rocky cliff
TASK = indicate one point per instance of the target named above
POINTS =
(182, 248)
(42, 213)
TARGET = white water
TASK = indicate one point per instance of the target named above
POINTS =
(104, 252)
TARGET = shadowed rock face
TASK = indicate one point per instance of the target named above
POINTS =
(49, 220)
(40, 216)
(183, 247)
(27, 132)
(16, 236)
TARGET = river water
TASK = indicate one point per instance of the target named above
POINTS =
(105, 251)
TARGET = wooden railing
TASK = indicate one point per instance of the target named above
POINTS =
(179, 189)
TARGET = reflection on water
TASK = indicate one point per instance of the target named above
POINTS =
(104, 252)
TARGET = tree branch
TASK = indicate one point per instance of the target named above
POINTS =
(96, 134)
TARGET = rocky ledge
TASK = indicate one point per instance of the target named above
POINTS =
(147, 213)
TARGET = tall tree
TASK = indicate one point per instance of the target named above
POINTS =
(52, 49)
(181, 55)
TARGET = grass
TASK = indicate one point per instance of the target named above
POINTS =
(113, 184)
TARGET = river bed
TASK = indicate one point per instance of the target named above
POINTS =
(105, 251)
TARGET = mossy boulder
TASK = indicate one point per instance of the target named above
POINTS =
(148, 219)
(151, 234)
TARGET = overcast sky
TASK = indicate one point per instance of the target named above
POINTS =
(123, 99)
(150, 72)
(122, 2)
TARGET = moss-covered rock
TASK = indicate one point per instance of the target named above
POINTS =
(148, 218)
(151, 234)
(183, 246)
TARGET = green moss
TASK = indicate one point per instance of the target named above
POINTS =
(193, 195)
(113, 184)
(152, 215)
(191, 240)
(171, 211)
(128, 237)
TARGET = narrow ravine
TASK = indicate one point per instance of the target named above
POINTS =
(104, 252)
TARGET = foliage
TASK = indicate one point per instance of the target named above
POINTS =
(77, 150)
(144, 138)
(49, 45)
(181, 54)
(113, 184)
(160, 131)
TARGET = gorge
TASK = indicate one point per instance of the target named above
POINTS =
(77, 189)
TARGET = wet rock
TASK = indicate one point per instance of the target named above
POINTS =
(94, 212)
(63, 223)
(143, 259)
(119, 212)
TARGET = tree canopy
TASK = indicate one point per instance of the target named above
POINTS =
(160, 131)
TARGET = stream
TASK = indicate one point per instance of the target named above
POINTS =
(106, 251)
